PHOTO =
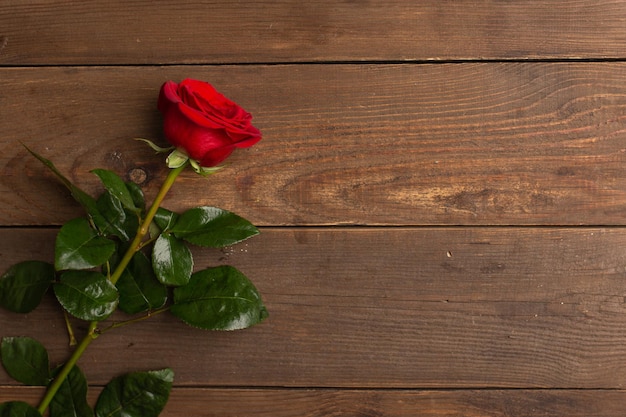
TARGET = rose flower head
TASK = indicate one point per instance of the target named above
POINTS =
(202, 123)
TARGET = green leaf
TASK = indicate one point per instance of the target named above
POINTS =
(18, 409)
(87, 295)
(131, 225)
(138, 394)
(79, 247)
(220, 298)
(139, 288)
(114, 216)
(171, 260)
(165, 219)
(26, 360)
(22, 287)
(71, 398)
(117, 187)
(212, 227)
(127, 195)
(136, 194)
(115, 220)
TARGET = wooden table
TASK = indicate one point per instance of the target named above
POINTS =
(441, 190)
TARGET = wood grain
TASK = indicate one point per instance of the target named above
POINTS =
(385, 308)
(376, 403)
(52, 32)
(453, 144)
(441, 190)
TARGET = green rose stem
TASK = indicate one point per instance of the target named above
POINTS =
(93, 332)
(143, 229)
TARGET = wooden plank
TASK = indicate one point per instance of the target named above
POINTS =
(384, 308)
(55, 32)
(380, 403)
(474, 144)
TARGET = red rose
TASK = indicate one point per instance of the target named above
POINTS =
(203, 123)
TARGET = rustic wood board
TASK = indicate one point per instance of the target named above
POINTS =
(386, 307)
(470, 144)
(394, 403)
(440, 187)
(140, 32)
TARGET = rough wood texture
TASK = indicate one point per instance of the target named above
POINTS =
(478, 145)
(393, 308)
(140, 32)
(506, 143)
(375, 403)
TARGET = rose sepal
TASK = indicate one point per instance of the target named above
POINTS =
(154, 146)
(204, 171)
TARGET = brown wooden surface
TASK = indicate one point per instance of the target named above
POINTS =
(440, 187)
(497, 143)
(396, 403)
(145, 32)
(399, 308)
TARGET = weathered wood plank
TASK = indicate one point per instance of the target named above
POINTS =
(385, 307)
(137, 32)
(508, 143)
(380, 403)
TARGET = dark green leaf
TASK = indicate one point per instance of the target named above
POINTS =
(89, 203)
(71, 398)
(116, 186)
(87, 295)
(165, 219)
(115, 259)
(79, 247)
(26, 360)
(18, 409)
(136, 194)
(139, 288)
(24, 284)
(131, 225)
(220, 298)
(212, 227)
(171, 260)
(114, 219)
(138, 394)
(114, 216)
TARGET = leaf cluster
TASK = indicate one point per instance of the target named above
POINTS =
(137, 394)
(99, 267)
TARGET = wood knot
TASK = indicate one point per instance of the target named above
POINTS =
(138, 175)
